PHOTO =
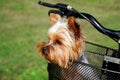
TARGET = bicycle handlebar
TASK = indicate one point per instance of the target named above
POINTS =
(67, 10)
(60, 6)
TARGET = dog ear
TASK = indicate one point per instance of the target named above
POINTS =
(74, 26)
(54, 18)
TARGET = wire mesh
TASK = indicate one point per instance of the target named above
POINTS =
(97, 69)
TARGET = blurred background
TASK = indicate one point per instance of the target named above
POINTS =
(24, 23)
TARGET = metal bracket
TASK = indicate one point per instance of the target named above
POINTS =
(112, 59)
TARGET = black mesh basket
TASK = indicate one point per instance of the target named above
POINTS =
(102, 66)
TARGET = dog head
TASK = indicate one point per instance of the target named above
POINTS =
(66, 41)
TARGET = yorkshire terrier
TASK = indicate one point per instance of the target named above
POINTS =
(66, 41)
(66, 44)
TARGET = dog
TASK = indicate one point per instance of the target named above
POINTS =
(66, 44)
(66, 41)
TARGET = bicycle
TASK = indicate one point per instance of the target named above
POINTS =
(109, 57)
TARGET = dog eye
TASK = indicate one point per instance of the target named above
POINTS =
(58, 42)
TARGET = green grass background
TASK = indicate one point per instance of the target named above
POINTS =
(24, 23)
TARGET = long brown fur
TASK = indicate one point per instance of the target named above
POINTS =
(66, 42)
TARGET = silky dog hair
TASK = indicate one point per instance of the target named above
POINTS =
(66, 41)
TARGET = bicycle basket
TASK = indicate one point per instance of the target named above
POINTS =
(97, 69)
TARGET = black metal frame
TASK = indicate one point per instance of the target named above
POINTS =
(108, 68)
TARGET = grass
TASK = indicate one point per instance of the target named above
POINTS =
(24, 23)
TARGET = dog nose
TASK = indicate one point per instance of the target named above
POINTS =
(44, 50)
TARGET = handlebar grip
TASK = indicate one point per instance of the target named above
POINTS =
(61, 6)
(46, 4)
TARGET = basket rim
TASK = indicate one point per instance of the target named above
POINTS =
(100, 45)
